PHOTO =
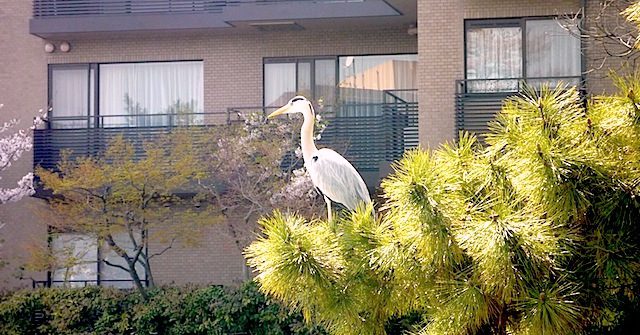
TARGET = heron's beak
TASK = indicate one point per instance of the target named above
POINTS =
(281, 110)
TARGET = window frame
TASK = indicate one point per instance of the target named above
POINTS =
(95, 83)
(92, 86)
(297, 61)
(101, 252)
(335, 58)
(520, 22)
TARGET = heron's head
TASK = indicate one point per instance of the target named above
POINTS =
(298, 104)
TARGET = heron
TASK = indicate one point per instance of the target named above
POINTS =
(331, 174)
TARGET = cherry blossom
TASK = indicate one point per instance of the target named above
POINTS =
(12, 147)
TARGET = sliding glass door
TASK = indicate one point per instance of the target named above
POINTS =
(151, 94)
(365, 79)
(130, 94)
(315, 78)
(71, 95)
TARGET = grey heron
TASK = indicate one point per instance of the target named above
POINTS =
(335, 178)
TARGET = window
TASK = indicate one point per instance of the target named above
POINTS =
(113, 276)
(357, 79)
(314, 78)
(130, 94)
(500, 52)
(364, 79)
(76, 257)
(147, 94)
(78, 261)
(72, 95)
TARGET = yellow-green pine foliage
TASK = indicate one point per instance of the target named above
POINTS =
(534, 233)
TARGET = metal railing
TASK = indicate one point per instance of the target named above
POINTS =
(85, 282)
(82, 136)
(367, 134)
(58, 8)
(477, 101)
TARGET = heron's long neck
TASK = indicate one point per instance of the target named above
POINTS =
(306, 136)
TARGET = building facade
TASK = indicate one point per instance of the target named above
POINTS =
(126, 64)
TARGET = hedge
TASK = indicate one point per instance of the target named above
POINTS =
(169, 310)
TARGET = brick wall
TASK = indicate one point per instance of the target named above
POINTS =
(23, 93)
(599, 61)
(441, 53)
(233, 61)
(232, 78)
(215, 258)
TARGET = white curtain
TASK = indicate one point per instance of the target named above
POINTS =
(130, 94)
(279, 83)
(494, 53)
(325, 81)
(304, 79)
(70, 97)
(552, 51)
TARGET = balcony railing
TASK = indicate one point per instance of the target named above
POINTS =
(367, 134)
(56, 8)
(122, 283)
(479, 100)
(62, 19)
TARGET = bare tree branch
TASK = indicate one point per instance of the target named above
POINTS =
(116, 265)
(159, 253)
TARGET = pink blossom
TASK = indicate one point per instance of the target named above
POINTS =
(12, 147)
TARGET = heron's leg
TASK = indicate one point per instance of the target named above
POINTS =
(329, 214)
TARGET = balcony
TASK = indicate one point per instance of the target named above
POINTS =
(369, 135)
(479, 100)
(66, 18)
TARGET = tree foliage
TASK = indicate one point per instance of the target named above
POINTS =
(608, 32)
(124, 202)
(161, 191)
(249, 177)
(532, 231)
(13, 145)
(212, 310)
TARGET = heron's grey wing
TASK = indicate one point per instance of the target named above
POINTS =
(337, 179)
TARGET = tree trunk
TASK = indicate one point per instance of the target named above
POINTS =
(130, 264)
(137, 281)
(501, 322)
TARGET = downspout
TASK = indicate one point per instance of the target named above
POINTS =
(583, 51)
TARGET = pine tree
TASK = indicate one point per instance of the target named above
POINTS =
(533, 231)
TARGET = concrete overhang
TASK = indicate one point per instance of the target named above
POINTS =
(240, 17)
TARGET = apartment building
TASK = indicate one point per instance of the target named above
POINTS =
(411, 71)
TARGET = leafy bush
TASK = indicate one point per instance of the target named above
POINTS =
(169, 310)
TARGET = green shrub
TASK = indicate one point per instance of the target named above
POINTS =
(169, 310)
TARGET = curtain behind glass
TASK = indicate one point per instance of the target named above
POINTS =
(279, 83)
(77, 250)
(325, 82)
(552, 51)
(137, 91)
(494, 53)
(304, 79)
(70, 96)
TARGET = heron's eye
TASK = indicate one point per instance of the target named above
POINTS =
(296, 99)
